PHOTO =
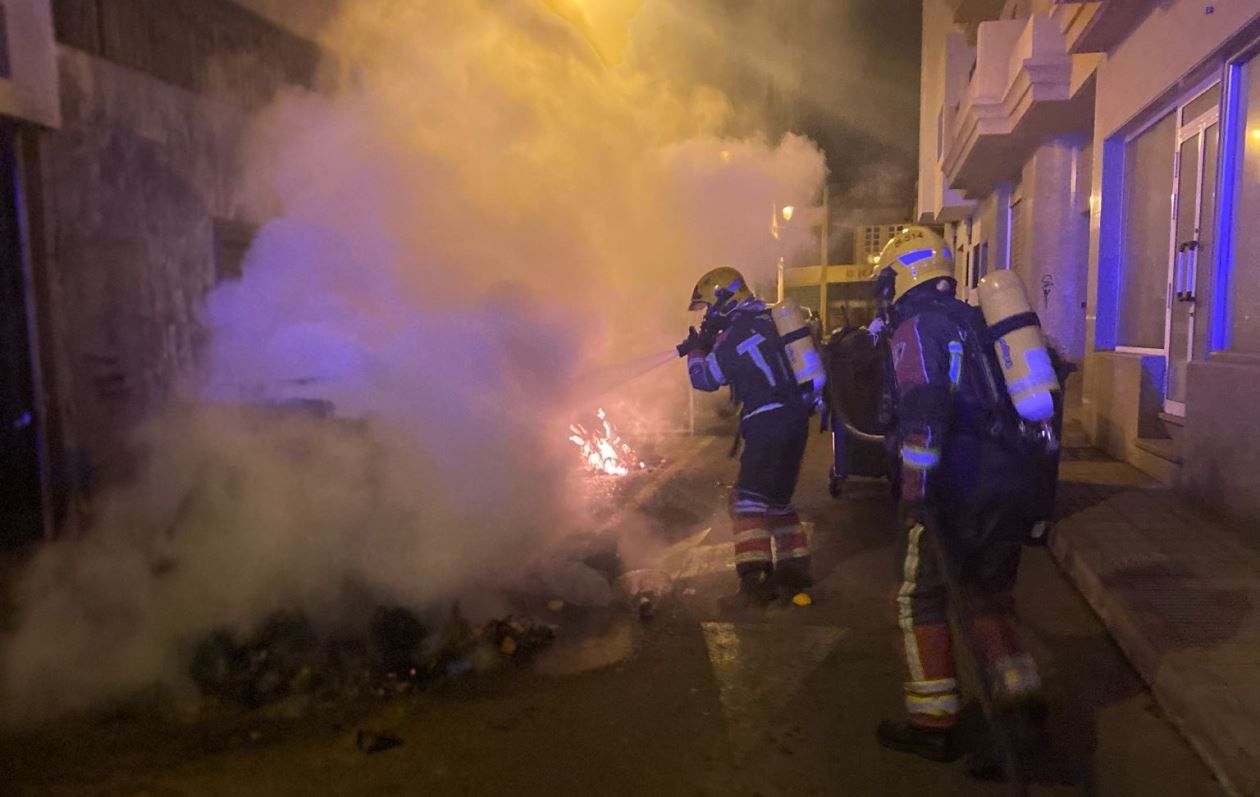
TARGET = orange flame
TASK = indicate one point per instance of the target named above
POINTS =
(603, 450)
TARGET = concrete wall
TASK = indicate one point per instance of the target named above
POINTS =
(141, 197)
(1054, 244)
(29, 90)
(210, 47)
(1127, 400)
(937, 23)
(132, 186)
(946, 65)
(1221, 441)
(1183, 35)
(1018, 9)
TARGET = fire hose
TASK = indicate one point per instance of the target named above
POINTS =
(853, 430)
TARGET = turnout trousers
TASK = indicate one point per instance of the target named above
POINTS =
(982, 538)
(769, 538)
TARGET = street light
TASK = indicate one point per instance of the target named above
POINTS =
(786, 213)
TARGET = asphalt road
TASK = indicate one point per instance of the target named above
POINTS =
(700, 700)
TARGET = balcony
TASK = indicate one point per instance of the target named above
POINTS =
(28, 63)
(1025, 87)
(1094, 27)
(1074, 21)
(971, 11)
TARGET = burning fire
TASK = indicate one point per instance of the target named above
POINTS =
(603, 450)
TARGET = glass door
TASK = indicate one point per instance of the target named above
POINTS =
(1194, 194)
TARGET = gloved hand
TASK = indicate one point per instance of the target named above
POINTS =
(693, 342)
(701, 341)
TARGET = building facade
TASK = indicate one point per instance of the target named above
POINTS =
(123, 200)
(1109, 153)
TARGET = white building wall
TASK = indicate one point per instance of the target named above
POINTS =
(1171, 41)
(29, 91)
(946, 65)
(937, 25)
(1176, 46)
(1053, 262)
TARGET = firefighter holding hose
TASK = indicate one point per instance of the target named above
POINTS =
(973, 399)
(763, 353)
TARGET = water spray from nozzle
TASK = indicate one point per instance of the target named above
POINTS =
(621, 374)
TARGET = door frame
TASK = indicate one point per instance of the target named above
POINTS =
(1149, 121)
(1186, 130)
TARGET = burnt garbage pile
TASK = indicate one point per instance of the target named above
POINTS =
(395, 652)
(390, 650)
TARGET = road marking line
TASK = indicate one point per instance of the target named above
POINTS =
(760, 669)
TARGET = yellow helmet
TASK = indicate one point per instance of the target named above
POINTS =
(915, 256)
(719, 286)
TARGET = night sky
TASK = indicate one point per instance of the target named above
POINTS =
(844, 72)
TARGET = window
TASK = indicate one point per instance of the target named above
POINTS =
(1201, 104)
(1083, 168)
(1244, 276)
(872, 240)
(1145, 242)
(940, 134)
(1015, 219)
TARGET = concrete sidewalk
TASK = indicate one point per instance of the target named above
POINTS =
(1180, 593)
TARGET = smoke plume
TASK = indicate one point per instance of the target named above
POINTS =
(488, 205)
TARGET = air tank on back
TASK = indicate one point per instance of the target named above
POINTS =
(803, 356)
(1019, 345)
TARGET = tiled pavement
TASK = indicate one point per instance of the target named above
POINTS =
(1180, 593)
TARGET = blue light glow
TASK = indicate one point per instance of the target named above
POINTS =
(955, 363)
(910, 258)
(1223, 260)
(919, 458)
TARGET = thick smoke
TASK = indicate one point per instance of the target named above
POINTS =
(487, 211)
(844, 73)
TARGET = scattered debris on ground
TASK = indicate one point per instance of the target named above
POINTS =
(644, 589)
(288, 663)
(286, 658)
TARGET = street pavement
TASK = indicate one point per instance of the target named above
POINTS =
(701, 699)
(1178, 589)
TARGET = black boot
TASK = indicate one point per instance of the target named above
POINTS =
(756, 587)
(936, 744)
(793, 576)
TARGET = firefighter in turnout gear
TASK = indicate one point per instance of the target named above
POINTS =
(739, 345)
(969, 485)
